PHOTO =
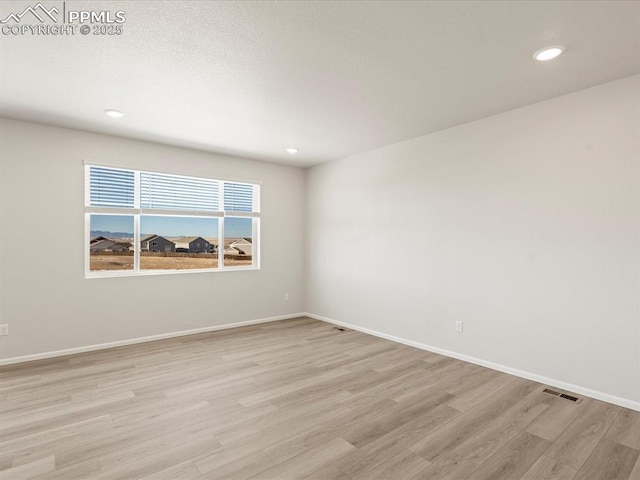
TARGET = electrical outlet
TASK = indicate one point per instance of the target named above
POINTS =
(286, 297)
(4, 329)
(458, 326)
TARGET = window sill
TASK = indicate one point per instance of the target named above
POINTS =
(146, 273)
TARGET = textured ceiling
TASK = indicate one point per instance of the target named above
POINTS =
(332, 78)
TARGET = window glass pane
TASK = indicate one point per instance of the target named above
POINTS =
(238, 241)
(111, 242)
(178, 243)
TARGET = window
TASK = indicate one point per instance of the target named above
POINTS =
(141, 222)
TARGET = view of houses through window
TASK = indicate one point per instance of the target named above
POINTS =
(178, 243)
(188, 237)
(111, 242)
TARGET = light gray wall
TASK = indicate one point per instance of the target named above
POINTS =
(46, 300)
(525, 226)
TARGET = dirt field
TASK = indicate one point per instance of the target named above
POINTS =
(111, 262)
(125, 262)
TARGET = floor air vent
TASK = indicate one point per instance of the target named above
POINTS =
(551, 392)
(566, 396)
(569, 397)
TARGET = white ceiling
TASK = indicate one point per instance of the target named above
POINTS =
(332, 78)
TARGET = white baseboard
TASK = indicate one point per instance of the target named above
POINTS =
(151, 338)
(605, 397)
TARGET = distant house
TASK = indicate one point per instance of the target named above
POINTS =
(182, 245)
(194, 245)
(122, 247)
(102, 244)
(242, 246)
(156, 243)
(97, 239)
(200, 245)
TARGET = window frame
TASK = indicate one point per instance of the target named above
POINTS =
(136, 212)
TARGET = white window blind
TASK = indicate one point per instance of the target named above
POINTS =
(109, 187)
(173, 192)
(113, 188)
(241, 197)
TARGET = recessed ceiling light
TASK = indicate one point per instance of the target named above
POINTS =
(109, 112)
(292, 150)
(548, 53)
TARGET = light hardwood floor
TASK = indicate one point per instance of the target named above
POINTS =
(298, 399)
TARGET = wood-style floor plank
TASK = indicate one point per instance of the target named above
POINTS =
(27, 471)
(574, 446)
(555, 420)
(548, 469)
(298, 399)
(513, 460)
(609, 460)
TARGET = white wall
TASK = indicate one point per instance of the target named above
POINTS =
(46, 300)
(525, 226)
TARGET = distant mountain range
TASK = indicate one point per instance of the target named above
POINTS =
(116, 235)
(103, 233)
